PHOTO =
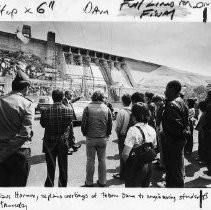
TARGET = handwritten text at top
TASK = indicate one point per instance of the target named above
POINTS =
(157, 8)
(41, 8)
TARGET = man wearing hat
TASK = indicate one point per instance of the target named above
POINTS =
(16, 115)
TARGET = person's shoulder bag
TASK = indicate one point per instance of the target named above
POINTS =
(143, 154)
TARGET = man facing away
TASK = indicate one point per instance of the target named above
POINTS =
(122, 121)
(16, 116)
(96, 126)
(67, 101)
(175, 128)
(56, 120)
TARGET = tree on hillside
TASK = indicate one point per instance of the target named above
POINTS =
(201, 92)
(209, 86)
(188, 93)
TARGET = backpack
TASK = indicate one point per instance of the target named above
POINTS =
(143, 154)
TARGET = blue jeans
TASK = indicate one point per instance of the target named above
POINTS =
(94, 145)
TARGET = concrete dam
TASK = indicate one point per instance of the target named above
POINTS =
(53, 65)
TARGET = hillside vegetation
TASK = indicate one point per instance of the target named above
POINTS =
(155, 80)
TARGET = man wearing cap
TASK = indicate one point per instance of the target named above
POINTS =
(16, 116)
(67, 101)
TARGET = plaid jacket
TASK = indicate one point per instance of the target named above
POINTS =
(57, 121)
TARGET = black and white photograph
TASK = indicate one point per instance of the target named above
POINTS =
(105, 104)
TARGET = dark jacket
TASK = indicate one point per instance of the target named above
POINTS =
(175, 120)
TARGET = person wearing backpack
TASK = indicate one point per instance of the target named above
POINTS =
(122, 122)
(138, 175)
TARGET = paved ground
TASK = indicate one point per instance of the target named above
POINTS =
(77, 163)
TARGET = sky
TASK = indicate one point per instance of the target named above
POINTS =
(184, 46)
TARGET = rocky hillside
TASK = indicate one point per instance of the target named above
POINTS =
(156, 79)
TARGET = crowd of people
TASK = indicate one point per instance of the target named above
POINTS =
(146, 126)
